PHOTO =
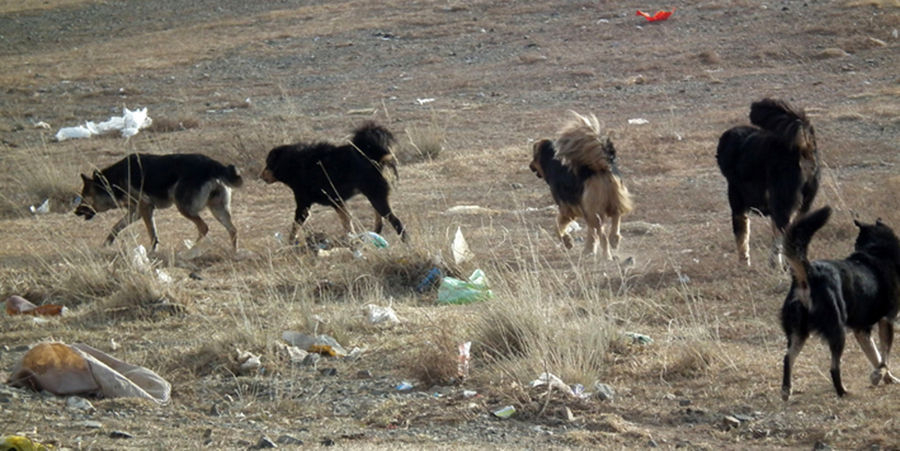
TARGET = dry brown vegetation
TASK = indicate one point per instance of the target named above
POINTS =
(233, 79)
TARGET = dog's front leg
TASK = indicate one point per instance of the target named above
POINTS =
(563, 219)
(300, 216)
(146, 211)
(740, 224)
(130, 217)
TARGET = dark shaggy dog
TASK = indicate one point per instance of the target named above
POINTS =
(772, 168)
(143, 182)
(327, 174)
(584, 182)
(828, 296)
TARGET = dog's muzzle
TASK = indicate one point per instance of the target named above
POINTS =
(535, 170)
(86, 211)
(267, 176)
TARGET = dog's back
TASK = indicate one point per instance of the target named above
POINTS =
(155, 175)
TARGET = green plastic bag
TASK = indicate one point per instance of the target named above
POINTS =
(455, 291)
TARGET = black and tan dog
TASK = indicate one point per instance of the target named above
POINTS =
(143, 182)
(772, 168)
(829, 296)
(584, 180)
(327, 174)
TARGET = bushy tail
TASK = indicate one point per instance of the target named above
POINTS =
(781, 119)
(232, 178)
(580, 144)
(375, 142)
(622, 199)
(796, 243)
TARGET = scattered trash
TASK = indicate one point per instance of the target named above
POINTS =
(505, 412)
(21, 443)
(638, 121)
(163, 276)
(41, 209)
(424, 101)
(293, 354)
(80, 369)
(320, 344)
(378, 314)
(552, 381)
(373, 239)
(455, 291)
(660, 15)
(462, 368)
(139, 259)
(469, 209)
(604, 392)
(573, 227)
(460, 248)
(128, 124)
(431, 277)
(684, 279)
(639, 338)
(404, 386)
(469, 394)
(42, 124)
(17, 305)
(248, 361)
(80, 404)
(362, 111)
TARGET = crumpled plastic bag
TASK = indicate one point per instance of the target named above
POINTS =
(17, 305)
(64, 369)
(455, 291)
(129, 123)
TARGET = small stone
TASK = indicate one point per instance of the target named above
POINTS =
(730, 422)
(312, 359)
(684, 402)
(604, 392)
(570, 417)
(288, 440)
(821, 446)
(78, 403)
(328, 371)
(327, 442)
(264, 443)
(120, 434)
(363, 374)
(90, 424)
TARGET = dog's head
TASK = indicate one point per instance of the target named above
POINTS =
(96, 196)
(542, 149)
(274, 160)
(877, 239)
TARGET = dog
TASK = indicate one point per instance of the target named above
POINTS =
(772, 168)
(829, 296)
(584, 179)
(328, 174)
(143, 182)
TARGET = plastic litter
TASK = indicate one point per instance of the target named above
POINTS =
(320, 344)
(373, 239)
(17, 305)
(660, 15)
(639, 338)
(504, 412)
(404, 386)
(139, 258)
(460, 248)
(421, 101)
(21, 443)
(248, 361)
(378, 314)
(638, 121)
(41, 209)
(553, 381)
(431, 277)
(462, 368)
(64, 369)
(129, 124)
(455, 291)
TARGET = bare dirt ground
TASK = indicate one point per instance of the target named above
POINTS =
(232, 79)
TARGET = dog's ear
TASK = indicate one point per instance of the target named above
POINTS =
(858, 224)
(878, 222)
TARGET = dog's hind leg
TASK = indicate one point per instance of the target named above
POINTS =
(836, 346)
(344, 216)
(146, 211)
(615, 235)
(886, 339)
(595, 235)
(867, 343)
(775, 257)
(220, 207)
(795, 344)
(740, 223)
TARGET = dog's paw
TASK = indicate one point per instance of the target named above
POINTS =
(877, 375)
(567, 241)
(785, 393)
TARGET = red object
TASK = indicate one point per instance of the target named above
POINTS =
(660, 15)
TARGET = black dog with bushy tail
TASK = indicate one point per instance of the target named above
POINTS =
(772, 168)
(829, 296)
(326, 174)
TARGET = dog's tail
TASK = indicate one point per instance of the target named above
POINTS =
(375, 142)
(231, 177)
(787, 122)
(796, 244)
(580, 144)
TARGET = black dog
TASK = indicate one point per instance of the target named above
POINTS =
(143, 182)
(828, 296)
(772, 169)
(326, 174)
